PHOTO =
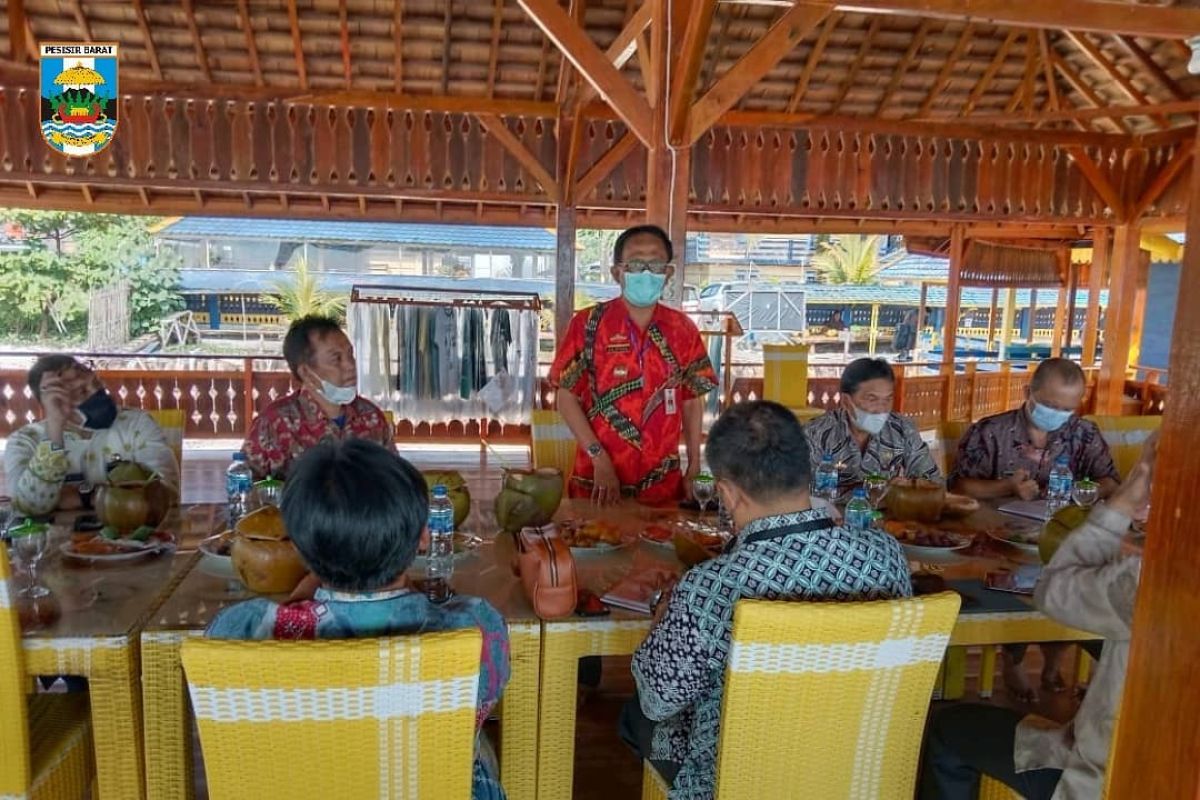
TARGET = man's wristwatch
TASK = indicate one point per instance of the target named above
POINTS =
(594, 450)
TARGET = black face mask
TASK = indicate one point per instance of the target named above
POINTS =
(99, 411)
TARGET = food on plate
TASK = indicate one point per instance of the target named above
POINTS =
(590, 533)
(920, 535)
(221, 544)
(658, 533)
(960, 504)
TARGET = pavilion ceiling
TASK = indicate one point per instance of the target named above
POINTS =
(454, 108)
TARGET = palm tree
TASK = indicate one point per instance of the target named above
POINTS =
(849, 260)
(301, 295)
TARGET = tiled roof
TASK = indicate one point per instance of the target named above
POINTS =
(482, 237)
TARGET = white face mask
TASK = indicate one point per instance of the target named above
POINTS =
(871, 423)
(338, 395)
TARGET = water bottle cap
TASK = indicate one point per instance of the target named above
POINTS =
(860, 493)
(239, 456)
(827, 457)
(1062, 460)
(439, 490)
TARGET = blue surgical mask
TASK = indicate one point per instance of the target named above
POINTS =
(1048, 419)
(338, 395)
(643, 289)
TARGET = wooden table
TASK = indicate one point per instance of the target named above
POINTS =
(103, 608)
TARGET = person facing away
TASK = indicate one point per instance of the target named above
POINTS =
(326, 407)
(632, 374)
(1090, 583)
(864, 435)
(1011, 455)
(356, 513)
(758, 455)
(55, 462)
(905, 338)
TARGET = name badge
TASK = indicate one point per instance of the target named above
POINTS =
(669, 398)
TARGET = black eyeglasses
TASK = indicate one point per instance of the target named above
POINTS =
(655, 267)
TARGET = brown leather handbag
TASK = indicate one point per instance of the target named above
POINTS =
(547, 571)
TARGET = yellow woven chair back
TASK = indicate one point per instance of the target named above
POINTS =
(829, 699)
(172, 423)
(14, 728)
(949, 435)
(553, 443)
(391, 717)
(1125, 436)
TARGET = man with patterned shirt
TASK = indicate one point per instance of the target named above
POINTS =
(326, 407)
(759, 457)
(632, 375)
(864, 435)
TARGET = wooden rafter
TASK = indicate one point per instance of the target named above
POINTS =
(1084, 89)
(1048, 68)
(604, 165)
(496, 128)
(1025, 91)
(139, 12)
(297, 45)
(943, 76)
(686, 71)
(814, 58)
(1105, 112)
(646, 67)
(1165, 177)
(1097, 57)
(985, 80)
(859, 58)
(718, 52)
(494, 57)
(447, 21)
(629, 41)
(16, 31)
(576, 11)
(1151, 67)
(795, 23)
(80, 20)
(344, 33)
(593, 65)
(1091, 171)
(189, 13)
(398, 46)
(251, 45)
(914, 47)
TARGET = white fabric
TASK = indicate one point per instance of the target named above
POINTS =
(5, 597)
(843, 657)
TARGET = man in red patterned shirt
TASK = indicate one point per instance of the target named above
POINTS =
(632, 374)
(325, 407)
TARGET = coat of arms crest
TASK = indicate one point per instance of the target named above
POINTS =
(79, 96)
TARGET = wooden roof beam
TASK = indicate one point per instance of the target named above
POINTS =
(629, 41)
(944, 73)
(1105, 112)
(251, 45)
(914, 47)
(1097, 57)
(576, 11)
(494, 58)
(605, 164)
(189, 12)
(1025, 91)
(297, 46)
(1094, 16)
(1048, 66)
(447, 21)
(80, 20)
(139, 12)
(852, 73)
(1087, 91)
(1151, 67)
(686, 71)
(578, 48)
(1165, 177)
(796, 23)
(498, 129)
(814, 58)
(989, 74)
(398, 46)
(1091, 171)
(16, 31)
(344, 36)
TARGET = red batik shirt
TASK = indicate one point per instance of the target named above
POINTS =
(633, 384)
(291, 425)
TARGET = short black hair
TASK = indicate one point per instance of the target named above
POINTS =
(638, 230)
(52, 364)
(355, 511)
(297, 343)
(1064, 369)
(861, 370)
(760, 447)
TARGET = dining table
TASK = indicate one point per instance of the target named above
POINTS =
(89, 627)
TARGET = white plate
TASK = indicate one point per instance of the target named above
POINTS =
(934, 555)
(669, 544)
(132, 554)
(1025, 547)
(213, 562)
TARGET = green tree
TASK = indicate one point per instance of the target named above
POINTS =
(850, 260)
(301, 295)
(595, 247)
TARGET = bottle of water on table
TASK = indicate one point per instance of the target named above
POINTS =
(239, 482)
(1058, 487)
(439, 563)
(826, 479)
(858, 511)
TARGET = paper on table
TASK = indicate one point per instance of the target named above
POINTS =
(635, 590)
(1031, 509)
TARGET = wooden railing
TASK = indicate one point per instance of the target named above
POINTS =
(1147, 385)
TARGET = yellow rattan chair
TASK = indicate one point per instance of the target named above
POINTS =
(359, 718)
(45, 740)
(949, 435)
(1125, 436)
(553, 443)
(172, 423)
(827, 700)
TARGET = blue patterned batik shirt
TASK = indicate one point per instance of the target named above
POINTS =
(346, 615)
(680, 668)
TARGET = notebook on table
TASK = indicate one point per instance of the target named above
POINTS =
(1030, 509)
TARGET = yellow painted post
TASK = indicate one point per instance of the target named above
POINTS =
(874, 327)
(785, 374)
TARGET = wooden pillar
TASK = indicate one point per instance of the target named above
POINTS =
(1118, 330)
(1139, 307)
(1032, 318)
(1072, 291)
(874, 329)
(991, 337)
(953, 294)
(1096, 275)
(1157, 750)
(921, 317)
(564, 280)
(1060, 308)
(1007, 322)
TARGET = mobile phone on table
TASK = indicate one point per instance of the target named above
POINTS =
(1018, 581)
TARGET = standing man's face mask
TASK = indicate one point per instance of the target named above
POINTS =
(643, 289)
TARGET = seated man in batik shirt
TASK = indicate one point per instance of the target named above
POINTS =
(759, 457)
(326, 407)
(356, 512)
(864, 435)
(53, 463)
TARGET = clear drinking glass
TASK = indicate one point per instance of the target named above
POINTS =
(704, 489)
(29, 542)
(1085, 493)
(5, 516)
(877, 487)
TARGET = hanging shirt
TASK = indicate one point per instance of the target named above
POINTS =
(633, 385)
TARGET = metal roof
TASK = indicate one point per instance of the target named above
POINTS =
(481, 237)
(936, 297)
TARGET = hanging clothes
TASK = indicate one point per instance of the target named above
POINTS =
(474, 366)
(446, 343)
(500, 338)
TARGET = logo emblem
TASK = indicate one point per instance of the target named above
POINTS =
(79, 96)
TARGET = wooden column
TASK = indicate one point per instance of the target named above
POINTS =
(874, 334)
(953, 294)
(1032, 315)
(564, 280)
(1096, 275)
(1118, 330)
(921, 317)
(1060, 308)
(1007, 322)
(1139, 307)
(1158, 743)
(991, 337)
(1072, 291)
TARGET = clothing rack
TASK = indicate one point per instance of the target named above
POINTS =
(478, 298)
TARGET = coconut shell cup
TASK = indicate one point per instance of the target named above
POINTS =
(922, 501)
(263, 557)
(529, 498)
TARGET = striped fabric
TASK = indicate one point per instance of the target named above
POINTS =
(390, 717)
(553, 443)
(829, 699)
(1125, 437)
(785, 374)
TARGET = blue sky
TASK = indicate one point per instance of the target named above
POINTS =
(51, 67)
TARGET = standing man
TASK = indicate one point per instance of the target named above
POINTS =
(326, 407)
(905, 338)
(631, 375)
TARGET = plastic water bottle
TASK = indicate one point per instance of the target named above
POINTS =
(439, 563)
(826, 483)
(1058, 487)
(858, 511)
(239, 482)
